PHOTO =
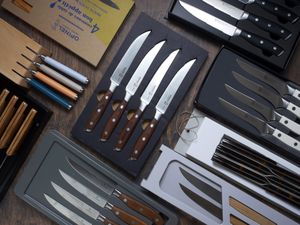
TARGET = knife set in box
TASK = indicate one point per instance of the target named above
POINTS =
(139, 94)
(70, 186)
(268, 31)
(205, 196)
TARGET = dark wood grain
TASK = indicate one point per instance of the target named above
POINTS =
(126, 217)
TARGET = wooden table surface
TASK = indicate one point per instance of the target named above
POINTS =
(15, 211)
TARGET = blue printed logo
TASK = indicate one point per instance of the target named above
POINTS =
(52, 5)
(95, 28)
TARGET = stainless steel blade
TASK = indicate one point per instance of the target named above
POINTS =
(94, 177)
(212, 21)
(99, 200)
(67, 212)
(127, 58)
(142, 69)
(79, 204)
(157, 78)
(247, 1)
(172, 88)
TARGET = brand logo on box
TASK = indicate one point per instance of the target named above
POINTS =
(57, 26)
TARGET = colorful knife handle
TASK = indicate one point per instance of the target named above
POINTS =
(49, 93)
(66, 70)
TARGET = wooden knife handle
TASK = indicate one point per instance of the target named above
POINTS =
(106, 221)
(3, 96)
(113, 121)
(98, 111)
(8, 113)
(13, 126)
(236, 221)
(126, 217)
(143, 140)
(128, 130)
(141, 208)
(20, 136)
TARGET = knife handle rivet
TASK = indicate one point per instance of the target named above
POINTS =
(117, 213)
(294, 108)
(261, 42)
(263, 3)
(269, 25)
(286, 122)
(279, 135)
(98, 110)
(275, 8)
(113, 120)
(143, 139)
(289, 14)
(125, 200)
(256, 19)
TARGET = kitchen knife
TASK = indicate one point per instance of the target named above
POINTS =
(3, 97)
(131, 88)
(101, 201)
(274, 9)
(261, 22)
(116, 79)
(230, 30)
(110, 3)
(268, 113)
(146, 98)
(108, 186)
(82, 206)
(280, 86)
(262, 127)
(161, 107)
(66, 212)
(274, 99)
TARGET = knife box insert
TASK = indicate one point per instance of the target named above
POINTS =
(267, 20)
(61, 174)
(169, 43)
(191, 194)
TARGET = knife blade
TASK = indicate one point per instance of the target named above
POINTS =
(161, 107)
(276, 100)
(274, 9)
(146, 98)
(261, 22)
(281, 87)
(268, 113)
(262, 127)
(233, 31)
(81, 205)
(110, 3)
(101, 201)
(131, 88)
(115, 80)
(108, 186)
(66, 212)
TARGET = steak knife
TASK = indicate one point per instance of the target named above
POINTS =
(262, 127)
(230, 30)
(101, 201)
(281, 87)
(108, 186)
(115, 80)
(261, 22)
(266, 112)
(161, 107)
(274, 99)
(131, 88)
(146, 98)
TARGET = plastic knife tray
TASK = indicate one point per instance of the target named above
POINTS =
(51, 155)
(12, 165)
(213, 87)
(166, 173)
(274, 63)
(174, 41)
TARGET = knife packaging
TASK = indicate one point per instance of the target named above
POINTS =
(24, 115)
(220, 77)
(51, 192)
(199, 201)
(107, 148)
(275, 63)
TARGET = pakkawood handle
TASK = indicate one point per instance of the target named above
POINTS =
(141, 208)
(8, 113)
(143, 140)
(262, 43)
(113, 121)
(106, 221)
(126, 217)
(3, 97)
(128, 130)
(98, 111)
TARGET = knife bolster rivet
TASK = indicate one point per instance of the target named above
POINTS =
(275, 8)
(275, 48)
(248, 36)
(117, 213)
(113, 120)
(261, 42)
(98, 110)
(125, 200)
(256, 19)
(143, 139)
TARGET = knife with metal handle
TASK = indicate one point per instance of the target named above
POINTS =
(161, 107)
(3, 97)
(230, 30)
(261, 22)
(108, 186)
(274, 9)
(268, 113)
(145, 100)
(115, 80)
(131, 88)
(280, 86)
(262, 127)
(8, 113)
(276, 100)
